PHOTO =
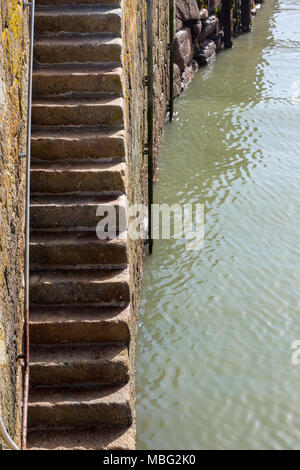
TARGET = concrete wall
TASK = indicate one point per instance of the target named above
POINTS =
(13, 104)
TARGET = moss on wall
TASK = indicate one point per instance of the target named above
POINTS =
(13, 110)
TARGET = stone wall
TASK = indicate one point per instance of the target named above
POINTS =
(134, 52)
(200, 35)
(135, 93)
(13, 104)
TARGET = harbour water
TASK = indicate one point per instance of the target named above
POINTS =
(214, 354)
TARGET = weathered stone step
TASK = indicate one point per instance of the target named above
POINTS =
(80, 287)
(53, 407)
(75, 212)
(79, 364)
(66, 78)
(80, 178)
(77, 2)
(119, 438)
(77, 19)
(50, 325)
(69, 47)
(69, 249)
(75, 143)
(90, 110)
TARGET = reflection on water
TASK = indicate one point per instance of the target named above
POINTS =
(214, 351)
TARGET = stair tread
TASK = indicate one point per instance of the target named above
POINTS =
(80, 286)
(74, 238)
(60, 395)
(79, 99)
(62, 325)
(74, 212)
(77, 2)
(76, 200)
(63, 315)
(78, 353)
(92, 275)
(77, 143)
(86, 68)
(76, 9)
(75, 131)
(76, 39)
(78, 166)
(84, 439)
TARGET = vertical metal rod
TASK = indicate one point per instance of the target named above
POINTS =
(171, 19)
(150, 118)
(246, 15)
(27, 233)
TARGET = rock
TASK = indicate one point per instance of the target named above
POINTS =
(206, 52)
(209, 26)
(187, 10)
(183, 48)
(219, 39)
(188, 74)
(196, 30)
(253, 8)
(178, 24)
(177, 81)
(203, 14)
(214, 6)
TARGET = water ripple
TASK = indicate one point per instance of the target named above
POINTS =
(214, 351)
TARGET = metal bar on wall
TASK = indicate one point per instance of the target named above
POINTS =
(150, 114)
(171, 46)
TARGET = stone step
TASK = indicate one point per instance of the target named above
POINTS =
(75, 212)
(76, 407)
(77, 2)
(89, 110)
(75, 364)
(52, 250)
(77, 143)
(70, 47)
(80, 287)
(59, 79)
(119, 438)
(77, 19)
(77, 178)
(50, 325)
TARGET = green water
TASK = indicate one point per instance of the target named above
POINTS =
(214, 366)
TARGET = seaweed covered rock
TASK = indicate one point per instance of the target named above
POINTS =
(196, 30)
(206, 52)
(209, 26)
(214, 6)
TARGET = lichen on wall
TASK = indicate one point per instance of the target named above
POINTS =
(13, 116)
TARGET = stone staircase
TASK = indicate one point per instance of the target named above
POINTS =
(80, 395)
